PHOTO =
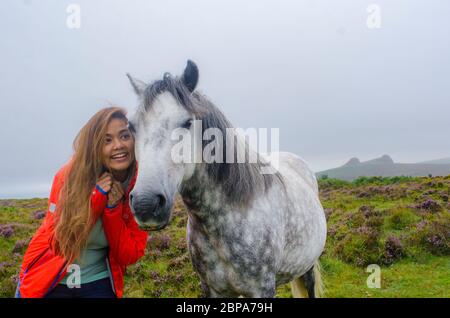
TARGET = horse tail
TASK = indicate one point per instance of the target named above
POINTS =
(298, 288)
(318, 283)
(309, 285)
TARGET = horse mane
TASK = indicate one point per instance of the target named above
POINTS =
(240, 182)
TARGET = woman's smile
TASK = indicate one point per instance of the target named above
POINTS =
(118, 149)
(120, 157)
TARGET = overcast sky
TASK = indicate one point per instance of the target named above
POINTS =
(335, 87)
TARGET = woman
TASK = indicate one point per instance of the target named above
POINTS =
(89, 234)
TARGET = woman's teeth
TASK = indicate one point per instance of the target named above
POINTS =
(119, 156)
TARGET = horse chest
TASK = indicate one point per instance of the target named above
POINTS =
(227, 256)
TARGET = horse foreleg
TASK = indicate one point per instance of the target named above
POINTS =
(205, 290)
(263, 293)
(208, 292)
(267, 289)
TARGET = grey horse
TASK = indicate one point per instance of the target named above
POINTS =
(248, 231)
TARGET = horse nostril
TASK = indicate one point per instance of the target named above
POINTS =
(162, 200)
(144, 206)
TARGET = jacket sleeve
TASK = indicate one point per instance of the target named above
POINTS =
(41, 240)
(127, 243)
(99, 200)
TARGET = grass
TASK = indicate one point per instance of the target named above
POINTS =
(406, 278)
(401, 224)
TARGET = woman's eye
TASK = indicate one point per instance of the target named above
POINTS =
(187, 124)
(126, 137)
(108, 140)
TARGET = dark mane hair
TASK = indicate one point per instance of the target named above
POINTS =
(239, 181)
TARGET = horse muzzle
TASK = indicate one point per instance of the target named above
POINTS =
(151, 211)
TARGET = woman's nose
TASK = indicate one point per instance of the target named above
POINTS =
(118, 144)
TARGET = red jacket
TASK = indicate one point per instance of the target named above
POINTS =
(42, 270)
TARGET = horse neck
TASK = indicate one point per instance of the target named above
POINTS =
(208, 198)
(202, 196)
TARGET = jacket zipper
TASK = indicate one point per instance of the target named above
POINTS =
(30, 266)
(17, 293)
(35, 261)
(56, 279)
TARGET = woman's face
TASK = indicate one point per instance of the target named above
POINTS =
(118, 149)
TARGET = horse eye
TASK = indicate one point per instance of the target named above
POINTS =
(187, 124)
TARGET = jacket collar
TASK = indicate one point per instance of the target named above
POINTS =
(133, 179)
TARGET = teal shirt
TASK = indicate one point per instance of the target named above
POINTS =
(92, 260)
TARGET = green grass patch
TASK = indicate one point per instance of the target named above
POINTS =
(401, 223)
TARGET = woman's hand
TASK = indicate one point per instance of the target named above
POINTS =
(105, 182)
(111, 187)
(116, 194)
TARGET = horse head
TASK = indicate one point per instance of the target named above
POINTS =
(166, 110)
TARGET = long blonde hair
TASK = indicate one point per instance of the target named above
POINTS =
(74, 218)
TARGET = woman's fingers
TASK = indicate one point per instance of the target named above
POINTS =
(105, 182)
(105, 176)
(105, 186)
(111, 186)
(116, 193)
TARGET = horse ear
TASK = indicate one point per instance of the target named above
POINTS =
(190, 76)
(138, 85)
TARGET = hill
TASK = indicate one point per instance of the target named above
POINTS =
(444, 161)
(385, 167)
